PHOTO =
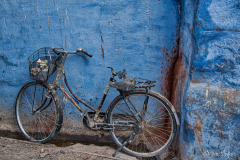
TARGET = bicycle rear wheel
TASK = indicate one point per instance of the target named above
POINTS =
(37, 113)
(154, 130)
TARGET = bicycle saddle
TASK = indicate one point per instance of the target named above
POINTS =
(125, 85)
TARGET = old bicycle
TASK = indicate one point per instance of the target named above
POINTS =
(140, 121)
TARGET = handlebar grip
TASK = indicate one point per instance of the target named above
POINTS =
(89, 55)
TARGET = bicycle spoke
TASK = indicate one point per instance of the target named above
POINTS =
(149, 120)
(155, 113)
(147, 141)
(45, 131)
(51, 121)
(155, 135)
(48, 115)
(161, 132)
(28, 102)
(153, 139)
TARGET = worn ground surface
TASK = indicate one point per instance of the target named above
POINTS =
(62, 150)
(21, 149)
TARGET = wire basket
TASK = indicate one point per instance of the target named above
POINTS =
(43, 63)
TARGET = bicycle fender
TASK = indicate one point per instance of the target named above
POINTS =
(175, 115)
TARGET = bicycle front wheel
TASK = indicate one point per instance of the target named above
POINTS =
(153, 121)
(37, 112)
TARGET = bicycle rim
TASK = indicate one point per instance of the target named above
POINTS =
(154, 133)
(38, 126)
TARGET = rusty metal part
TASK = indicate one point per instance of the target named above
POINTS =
(101, 119)
(99, 107)
(145, 84)
(69, 97)
(113, 126)
(103, 99)
(100, 125)
(60, 72)
(106, 89)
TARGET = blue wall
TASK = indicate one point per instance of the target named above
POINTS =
(139, 36)
(210, 115)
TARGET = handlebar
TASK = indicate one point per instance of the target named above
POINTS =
(78, 50)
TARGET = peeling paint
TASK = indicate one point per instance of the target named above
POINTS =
(198, 127)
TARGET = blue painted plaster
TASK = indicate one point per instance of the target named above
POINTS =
(210, 114)
(139, 36)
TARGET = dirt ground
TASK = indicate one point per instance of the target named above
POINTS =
(21, 149)
(64, 149)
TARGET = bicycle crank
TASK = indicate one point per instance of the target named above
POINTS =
(88, 119)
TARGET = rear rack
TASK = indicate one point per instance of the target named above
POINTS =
(145, 84)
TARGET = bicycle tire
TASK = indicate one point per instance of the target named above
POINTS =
(153, 139)
(39, 126)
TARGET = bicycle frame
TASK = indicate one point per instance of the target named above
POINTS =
(83, 113)
(55, 85)
(81, 101)
(60, 73)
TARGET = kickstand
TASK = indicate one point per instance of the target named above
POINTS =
(129, 139)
